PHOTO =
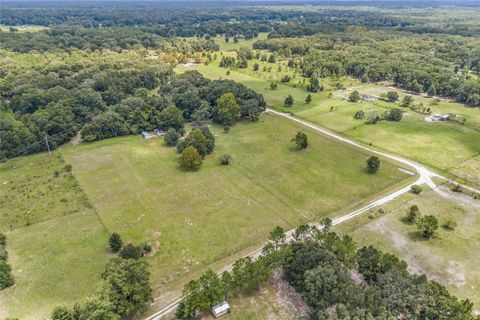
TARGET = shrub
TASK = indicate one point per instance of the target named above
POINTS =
(6, 278)
(450, 225)
(190, 160)
(416, 189)
(115, 242)
(286, 78)
(225, 159)
(146, 248)
(131, 251)
(427, 225)
(3, 253)
(226, 129)
(308, 99)
(392, 96)
(354, 96)
(301, 140)
(288, 101)
(413, 214)
(456, 188)
(407, 101)
(395, 114)
(68, 168)
(359, 114)
(171, 137)
(373, 164)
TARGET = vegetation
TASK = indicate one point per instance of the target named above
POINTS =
(85, 74)
(390, 234)
(427, 225)
(115, 242)
(301, 140)
(288, 101)
(318, 268)
(190, 160)
(171, 137)
(373, 164)
(225, 159)
(125, 293)
(416, 189)
(413, 214)
(132, 173)
(354, 96)
(142, 96)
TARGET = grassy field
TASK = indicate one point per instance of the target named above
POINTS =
(449, 258)
(196, 219)
(23, 28)
(450, 147)
(55, 239)
(231, 45)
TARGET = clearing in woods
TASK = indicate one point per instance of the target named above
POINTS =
(447, 258)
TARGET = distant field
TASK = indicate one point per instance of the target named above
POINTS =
(446, 146)
(55, 240)
(450, 258)
(23, 28)
(196, 219)
(231, 45)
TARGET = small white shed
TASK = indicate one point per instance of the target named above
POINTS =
(220, 309)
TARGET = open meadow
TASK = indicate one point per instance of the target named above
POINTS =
(196, 219)
(56, 242)
(449, 258)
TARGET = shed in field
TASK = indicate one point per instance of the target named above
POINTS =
(145, 135)
(220, 309)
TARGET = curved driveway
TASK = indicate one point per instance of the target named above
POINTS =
(424, 177)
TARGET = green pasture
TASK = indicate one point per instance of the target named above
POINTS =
(56, 242)
(194, 219)
(450, 147)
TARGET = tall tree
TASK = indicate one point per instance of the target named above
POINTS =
(373, 164)
(226, 110)
(190, 160)
(301, 140)
(127, 286)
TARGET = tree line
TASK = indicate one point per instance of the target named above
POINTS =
(437, 65)
(105, 94)
(335, 278)
(6, 277)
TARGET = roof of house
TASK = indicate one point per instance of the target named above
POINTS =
(221, 307)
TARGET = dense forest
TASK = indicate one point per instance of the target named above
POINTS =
(54, 95)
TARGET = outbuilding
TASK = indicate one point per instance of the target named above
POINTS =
(145, 135)
(220, 309)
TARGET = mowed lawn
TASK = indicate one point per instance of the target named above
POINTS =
(450, 258)
(57, 245)
(449, 147)
(193, 219)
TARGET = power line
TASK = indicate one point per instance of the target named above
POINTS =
(46, 141)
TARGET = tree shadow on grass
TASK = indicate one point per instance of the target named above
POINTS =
(417, 236)
(406, 221)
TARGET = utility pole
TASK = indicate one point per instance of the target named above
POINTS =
(46, 141)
